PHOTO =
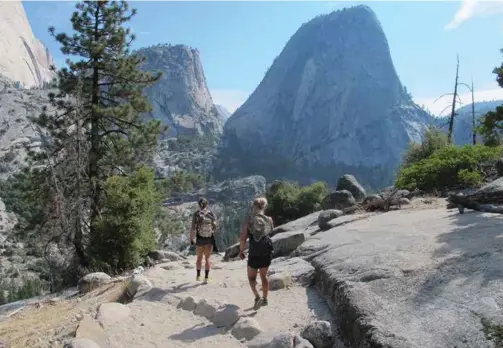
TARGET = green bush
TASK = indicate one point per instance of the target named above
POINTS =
(447, 167)
(433, 139)
(126, 230)
(288, 201)
(180, 183)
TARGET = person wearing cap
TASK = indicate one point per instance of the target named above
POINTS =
(202, 234)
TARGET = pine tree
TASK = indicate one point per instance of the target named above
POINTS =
(96, 126)
(491, 127)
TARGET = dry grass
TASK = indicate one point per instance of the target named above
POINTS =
(48, 324)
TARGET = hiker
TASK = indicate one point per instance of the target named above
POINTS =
(257, 227)
(202, 234)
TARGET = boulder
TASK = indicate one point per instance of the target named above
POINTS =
(404, 201)
(82, 343)
(92, 281)
(499, 167)
(246, 328)
(159, 255)
(300, 270)
(327, 215)
(90, 329)
(373, 202)
(272, 340)
(233, 251)
(285, 243)
(226, 316)
(188, 303)
(112, 313)
(280, 281)
(348, 182)
(319, 334)
(299, 342)
(206, 309)
(339, 200)
(138, 284)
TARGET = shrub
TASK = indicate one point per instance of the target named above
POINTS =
(126, 230)
(447, 167)
(288, 201)
(433, 139)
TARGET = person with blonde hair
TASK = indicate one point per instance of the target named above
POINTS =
(257, 227)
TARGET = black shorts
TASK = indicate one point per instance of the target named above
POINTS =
(202, 241)
(257, 262)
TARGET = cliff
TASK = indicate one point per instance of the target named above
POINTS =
(23, 58)
(181, 98)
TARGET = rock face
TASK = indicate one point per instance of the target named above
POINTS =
(16, 131)
(396, 282)
(181, 98)
(23, 58)
(330, 104)
(223, 112)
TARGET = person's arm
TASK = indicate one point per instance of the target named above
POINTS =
(242, 239)
(193, 228)
(272, 223)
(214, 222)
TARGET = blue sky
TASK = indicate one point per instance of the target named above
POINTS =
(239, 40)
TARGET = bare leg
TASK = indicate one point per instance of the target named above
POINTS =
(252, 279)
(199, 259)
(265, 282)
(207, 263)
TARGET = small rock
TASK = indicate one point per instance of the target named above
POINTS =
(246, 328)
(319, 333)
(205, 309)
(112, 313)
(93, 281)
(82, 343)
(327, 215)
(226, 316)
(280, 281)
(188, 304)
(299, 342)
(271, 340)
(285, 243)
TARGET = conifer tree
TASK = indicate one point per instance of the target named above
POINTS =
(491, 127)
(96, 127)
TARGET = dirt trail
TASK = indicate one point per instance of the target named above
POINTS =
(156, 323)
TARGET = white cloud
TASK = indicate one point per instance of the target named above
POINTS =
(442, 106)
(474, 8)
(231, 99)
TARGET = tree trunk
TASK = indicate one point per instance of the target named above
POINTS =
(453, 109)
(474, 133)
(95, 140)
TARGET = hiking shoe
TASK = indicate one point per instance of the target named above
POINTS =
(264, 301)
(198, 278)
(206, 280)
(258, 303)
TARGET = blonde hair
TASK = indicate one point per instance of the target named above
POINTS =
(259, 204)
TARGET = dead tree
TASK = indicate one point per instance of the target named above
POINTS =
(453, 106)
(474, 127)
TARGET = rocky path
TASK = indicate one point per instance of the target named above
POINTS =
(171, 313)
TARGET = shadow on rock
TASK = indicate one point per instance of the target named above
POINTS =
(470, 256)
(196, 332)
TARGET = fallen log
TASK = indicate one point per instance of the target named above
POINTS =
(463, 202)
